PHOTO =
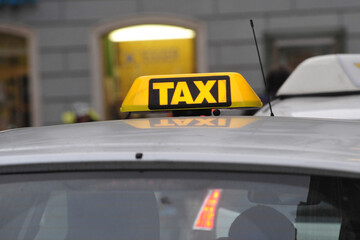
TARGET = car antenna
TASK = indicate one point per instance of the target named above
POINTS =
(262, 70)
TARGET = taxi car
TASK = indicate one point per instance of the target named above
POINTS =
(194, 177)
(323, 87)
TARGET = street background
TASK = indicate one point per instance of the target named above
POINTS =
(54, 53)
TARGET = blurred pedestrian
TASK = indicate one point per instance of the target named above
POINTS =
(275, 78)
(81, 112)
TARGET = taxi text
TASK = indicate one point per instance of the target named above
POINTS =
(190, 92)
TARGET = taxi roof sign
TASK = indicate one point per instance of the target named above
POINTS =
(190, 91)
(333, 73)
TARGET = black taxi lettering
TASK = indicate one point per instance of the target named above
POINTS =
(190, 92)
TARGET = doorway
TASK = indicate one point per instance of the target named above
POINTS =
(147, 49)
(146, 45)
(14, 82)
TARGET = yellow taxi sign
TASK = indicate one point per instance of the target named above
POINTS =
(190, 91)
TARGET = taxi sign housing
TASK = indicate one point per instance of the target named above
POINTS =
(190, 91)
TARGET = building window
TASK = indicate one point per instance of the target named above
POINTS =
(290, 49)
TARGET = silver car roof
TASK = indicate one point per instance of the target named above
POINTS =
(335, 107)
(280, 144)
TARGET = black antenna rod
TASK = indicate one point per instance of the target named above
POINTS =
(262, 70)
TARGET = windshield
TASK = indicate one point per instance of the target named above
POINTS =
(178, 206)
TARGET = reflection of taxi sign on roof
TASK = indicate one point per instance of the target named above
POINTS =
(196, 122)
(190, 91)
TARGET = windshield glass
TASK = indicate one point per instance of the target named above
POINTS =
(178, 206)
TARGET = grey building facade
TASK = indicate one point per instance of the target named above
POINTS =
(63, 51)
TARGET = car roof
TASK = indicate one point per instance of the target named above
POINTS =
(334, 107)
(247, 143)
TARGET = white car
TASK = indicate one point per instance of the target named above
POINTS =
(321, 87)
(182, 178)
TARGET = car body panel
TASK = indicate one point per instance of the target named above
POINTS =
(334, 107)
(292, 143)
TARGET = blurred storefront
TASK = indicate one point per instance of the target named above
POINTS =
(57, 52)
(147, 45)
(148, 49)
(14, 99)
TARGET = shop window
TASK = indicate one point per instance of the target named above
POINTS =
(147, 49)
(14, 98)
